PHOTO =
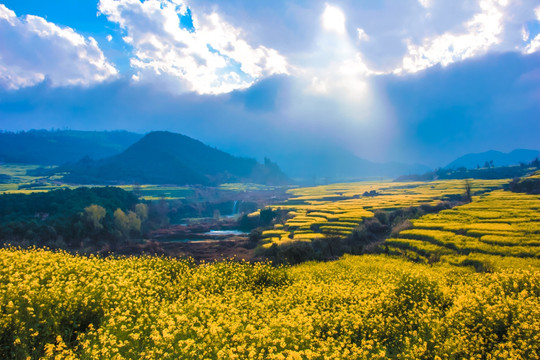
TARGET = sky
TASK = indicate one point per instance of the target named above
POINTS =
(414, 81)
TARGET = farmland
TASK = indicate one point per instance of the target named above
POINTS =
(339, 208)
(292, 180)
(56, 305)
(463, 282)
(496, 224)
(20, 182)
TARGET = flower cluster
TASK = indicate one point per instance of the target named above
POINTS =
(56, 305)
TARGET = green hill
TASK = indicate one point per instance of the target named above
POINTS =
(167, 158)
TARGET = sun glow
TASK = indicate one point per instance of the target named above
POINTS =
(333, 19)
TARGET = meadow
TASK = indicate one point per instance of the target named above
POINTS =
(61, 306)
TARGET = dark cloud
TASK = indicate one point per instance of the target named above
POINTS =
(141, 108)
(475, 105)
(442, 113)
(267, 95)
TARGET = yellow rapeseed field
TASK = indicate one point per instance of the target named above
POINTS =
(55, 305)
(338, 208)
(59, 306)
(496, 225)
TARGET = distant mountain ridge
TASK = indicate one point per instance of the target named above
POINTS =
(43, 147)
(162, 157)
(515, 157)
(489, 171)
(333, 164)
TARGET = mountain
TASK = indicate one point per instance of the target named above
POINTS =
(167, 158)
(472, 161)
(62, 146)
(333, 164)
(308, 163)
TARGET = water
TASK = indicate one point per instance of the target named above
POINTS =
(226, 232)
(212, 235)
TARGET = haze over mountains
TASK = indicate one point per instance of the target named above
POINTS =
(58, 147)
(471, 161)
(164, 157)
(321, 163)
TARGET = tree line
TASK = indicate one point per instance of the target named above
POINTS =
(85, 217)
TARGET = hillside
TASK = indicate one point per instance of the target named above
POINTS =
(515, 157)
(168, 158)
(59, 147)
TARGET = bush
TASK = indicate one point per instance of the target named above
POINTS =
(291, 253)
(479, 265)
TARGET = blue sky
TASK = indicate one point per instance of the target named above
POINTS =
(404, 80)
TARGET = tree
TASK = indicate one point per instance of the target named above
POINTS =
(134, 222)
(468, 192)
(121, 222)
(127, 223)
(94, 214)
(142, 211)
(266, 216)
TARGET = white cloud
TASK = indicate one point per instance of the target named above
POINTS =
(525, 33)
(362, 36)
(212, 59)
(425, 3)
(333, 19)
(483, 31)
(345, 78)
(534, 45)
(109, 38)
(33, 49)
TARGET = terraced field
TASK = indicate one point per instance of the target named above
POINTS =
(339, 208)
(536, 175)
(499, 224)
